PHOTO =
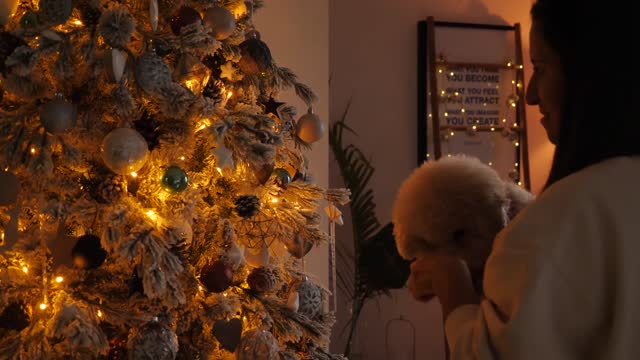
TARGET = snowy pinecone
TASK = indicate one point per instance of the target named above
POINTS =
(213, 90)
(262, 280)
(247, 205)
(112, 188)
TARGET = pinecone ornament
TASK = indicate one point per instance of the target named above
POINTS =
(262, 280)
(213, 90)
(112, 187)
(247, 206)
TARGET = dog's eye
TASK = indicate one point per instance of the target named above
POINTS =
(458, 237)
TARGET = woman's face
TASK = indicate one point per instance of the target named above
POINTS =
(546, 88)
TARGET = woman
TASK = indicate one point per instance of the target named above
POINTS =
(563, 279)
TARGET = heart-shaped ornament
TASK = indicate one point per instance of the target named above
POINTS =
(228, 333)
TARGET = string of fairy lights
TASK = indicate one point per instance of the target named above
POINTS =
(458, 115)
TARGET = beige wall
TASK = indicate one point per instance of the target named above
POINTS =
(297, 33)
(373, 61)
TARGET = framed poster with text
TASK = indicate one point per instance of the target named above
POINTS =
(471, 95)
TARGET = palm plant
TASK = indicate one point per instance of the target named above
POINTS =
(365, 273)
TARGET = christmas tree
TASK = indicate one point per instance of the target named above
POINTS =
(155, 201)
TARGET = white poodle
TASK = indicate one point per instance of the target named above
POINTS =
(456, 204)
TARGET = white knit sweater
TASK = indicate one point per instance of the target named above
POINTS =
(563, 279)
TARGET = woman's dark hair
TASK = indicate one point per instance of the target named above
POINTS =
(600, 119)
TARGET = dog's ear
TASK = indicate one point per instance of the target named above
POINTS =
(519, 199)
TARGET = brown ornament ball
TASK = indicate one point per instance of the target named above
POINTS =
(9, 188)
(186, 15)
(217, 276)
(262, 280)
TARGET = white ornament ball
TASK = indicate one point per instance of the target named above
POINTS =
(124, 151)
(310, 298)
(7, 9)
(9, 188)
(258, 344)
(152, 73)
(221, 21)
(309, 128)
(154, 340)
(58, 115)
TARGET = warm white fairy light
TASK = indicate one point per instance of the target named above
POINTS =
(182, 158)
(33, 150)
(43, 306)
(77, 22)
(493, 129)
(462, 110)
(516, 164)
(152, 215)
(516, 144)
(99, 313)
(134, 174)
(25, 269)
(440, 71)
(59, 279)
(452, 133)
(274, 200)
(490, 163)
(446, 114)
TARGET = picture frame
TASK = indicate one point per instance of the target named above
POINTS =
(471, 95)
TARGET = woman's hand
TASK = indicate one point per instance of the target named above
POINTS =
(444, 276)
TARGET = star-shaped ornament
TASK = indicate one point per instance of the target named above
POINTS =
(227, 71)
(271, 107)
(224, 156)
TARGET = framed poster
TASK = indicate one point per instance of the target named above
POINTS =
(471, 95)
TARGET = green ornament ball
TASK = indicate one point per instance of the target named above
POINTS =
(175, 179)
(282, 177)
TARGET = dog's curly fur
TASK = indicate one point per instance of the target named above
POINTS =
(456, 204)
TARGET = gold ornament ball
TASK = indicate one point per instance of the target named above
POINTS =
(221, 21)
(7, 9)
(309, 128)
(124, 151)
(9, 188)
